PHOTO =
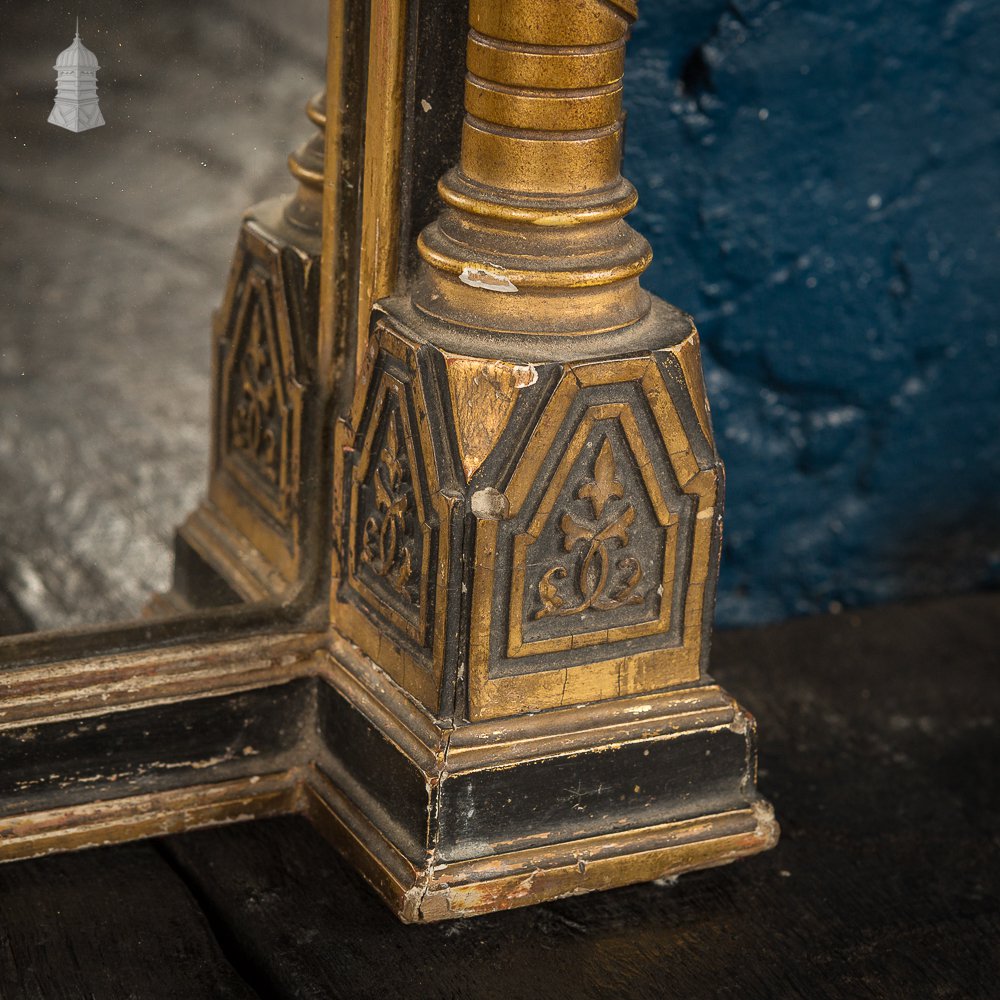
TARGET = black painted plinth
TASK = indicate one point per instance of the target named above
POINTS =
(496, 815)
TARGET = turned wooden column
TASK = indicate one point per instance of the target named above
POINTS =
(534, 212)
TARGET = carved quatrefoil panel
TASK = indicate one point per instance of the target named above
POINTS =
(597, 561)
(390, 535)
(594, 560)
(261, 400)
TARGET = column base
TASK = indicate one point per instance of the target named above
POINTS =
(451, 823)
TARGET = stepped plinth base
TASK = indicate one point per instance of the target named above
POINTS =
(485, 817)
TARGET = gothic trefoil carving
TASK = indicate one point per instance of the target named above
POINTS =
(390, 535)
(386, 546)
(260, 406)
(256, 422)
(604, 579)
(391, 554)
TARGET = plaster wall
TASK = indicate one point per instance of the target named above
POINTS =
(820, 185)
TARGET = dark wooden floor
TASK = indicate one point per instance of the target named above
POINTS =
(880, 748)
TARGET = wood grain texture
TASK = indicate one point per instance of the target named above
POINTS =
(113, 925)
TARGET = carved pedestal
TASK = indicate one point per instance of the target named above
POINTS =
(528, 557)
(529, 516)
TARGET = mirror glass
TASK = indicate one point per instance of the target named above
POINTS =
(115, 243)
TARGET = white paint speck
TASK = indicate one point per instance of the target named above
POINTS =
(667, 881)
(489, 504)
(491, 281)
(527, 375)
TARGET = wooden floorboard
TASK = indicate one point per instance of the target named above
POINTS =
(880, 749)
(110, 925)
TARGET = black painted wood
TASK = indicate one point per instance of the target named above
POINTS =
(433, 115)
(152, 749)
(879, 747)
(549, 800)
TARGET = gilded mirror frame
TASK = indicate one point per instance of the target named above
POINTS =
(310, 702)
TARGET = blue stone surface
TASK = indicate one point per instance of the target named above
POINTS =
(821, 186)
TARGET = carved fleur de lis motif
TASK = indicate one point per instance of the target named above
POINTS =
(386, 547)
(596, 581)
(255, 421)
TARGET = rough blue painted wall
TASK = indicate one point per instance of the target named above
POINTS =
(821, 185)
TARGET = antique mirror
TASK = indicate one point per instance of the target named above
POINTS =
(117, 241)
(456, 548)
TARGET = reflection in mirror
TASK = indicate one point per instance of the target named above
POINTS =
(115, 243)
